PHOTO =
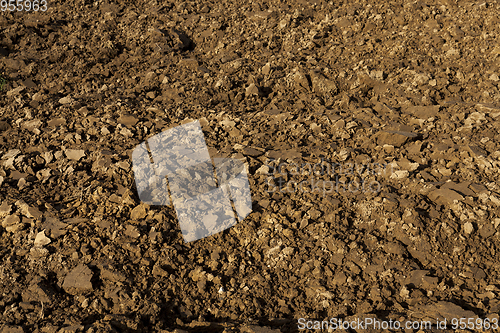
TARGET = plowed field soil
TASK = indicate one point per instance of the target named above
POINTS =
(370, 131)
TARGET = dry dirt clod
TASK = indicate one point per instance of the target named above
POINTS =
(66, 100)
(75, 154)
(12, 223)
(252, 89)
(127, 120)
(139, 212)
(78, 280)
(41, 239)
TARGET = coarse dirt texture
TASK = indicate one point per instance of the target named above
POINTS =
(412, 87)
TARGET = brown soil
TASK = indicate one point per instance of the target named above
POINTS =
(411, 86)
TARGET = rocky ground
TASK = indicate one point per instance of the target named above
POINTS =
(402, 97)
